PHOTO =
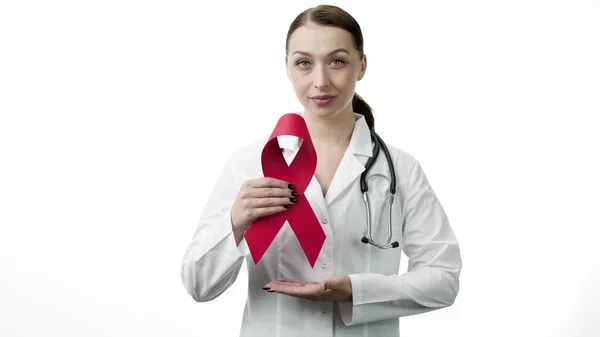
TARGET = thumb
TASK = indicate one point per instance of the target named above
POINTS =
(323, 286)
(332, 283)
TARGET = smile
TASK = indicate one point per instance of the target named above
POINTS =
(323, 100)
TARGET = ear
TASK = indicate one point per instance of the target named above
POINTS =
(363, 68)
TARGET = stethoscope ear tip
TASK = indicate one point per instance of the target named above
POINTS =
(395, 244)
(364, 239)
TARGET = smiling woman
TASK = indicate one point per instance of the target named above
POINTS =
(354, 288)
(326, 59)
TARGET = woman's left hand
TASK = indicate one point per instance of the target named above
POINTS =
(337, 288)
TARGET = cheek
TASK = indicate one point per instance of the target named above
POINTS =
(344, 80)
(300, 85)
(346, 84)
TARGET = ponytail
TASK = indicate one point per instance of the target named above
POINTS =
(361, 107)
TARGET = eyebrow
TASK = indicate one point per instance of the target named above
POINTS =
(333, 52)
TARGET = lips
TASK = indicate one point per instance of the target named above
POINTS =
(323, 99)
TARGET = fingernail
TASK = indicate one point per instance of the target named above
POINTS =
(291, 187)
(295, 194)
(270, 291)
(286, 206)
(293, 199)
(265, 288)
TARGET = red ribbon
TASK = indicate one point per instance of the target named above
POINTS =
(299, 173)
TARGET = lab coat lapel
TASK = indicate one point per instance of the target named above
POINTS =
(349, 169)
(314, 194)
(351, 166)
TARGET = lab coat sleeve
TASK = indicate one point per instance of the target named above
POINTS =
(212, 260)
(432, 279)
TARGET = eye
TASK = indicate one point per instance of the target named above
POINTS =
(304, 63)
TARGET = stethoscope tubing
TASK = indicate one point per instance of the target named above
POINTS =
(378, 145)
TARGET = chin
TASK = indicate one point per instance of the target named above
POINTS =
(321, 112)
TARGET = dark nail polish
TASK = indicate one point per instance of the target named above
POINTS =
(293, 199)
(270, 291)
(286, 206)
(291, 187)
(295, 194)
(265, 288)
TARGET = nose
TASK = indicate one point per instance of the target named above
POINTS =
(321, 77)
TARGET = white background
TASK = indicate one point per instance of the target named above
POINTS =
(117, 116)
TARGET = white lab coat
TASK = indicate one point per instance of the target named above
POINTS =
(380, 295)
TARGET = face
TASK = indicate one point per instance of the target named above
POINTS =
(323, 66)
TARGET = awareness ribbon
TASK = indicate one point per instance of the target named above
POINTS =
(299, 173)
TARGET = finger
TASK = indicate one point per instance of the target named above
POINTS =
(269, 182)
(278, 288)
(268, 202)
(291, 290)
(271, 192)
(289, 280)
(292, 283)
(266, 211)
(328, 284)
(285, 284)
(303, 292)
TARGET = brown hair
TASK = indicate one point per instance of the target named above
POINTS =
(328, 15)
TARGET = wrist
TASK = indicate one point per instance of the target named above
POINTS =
(234, 226)
(238, 232)
(348, 289)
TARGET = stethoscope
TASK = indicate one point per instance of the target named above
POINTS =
(379, 144)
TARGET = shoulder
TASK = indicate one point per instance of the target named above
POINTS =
(409, 171)
(249, 148)
(408, 168)
(247, 157)
(404, 161)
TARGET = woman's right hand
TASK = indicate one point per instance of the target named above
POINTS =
(258, 198)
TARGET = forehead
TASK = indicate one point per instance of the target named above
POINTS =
(320, 40)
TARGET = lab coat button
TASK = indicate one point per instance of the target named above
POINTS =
(324, 310)
(323, 266)
(325, 221)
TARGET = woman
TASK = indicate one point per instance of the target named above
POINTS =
(354, 288)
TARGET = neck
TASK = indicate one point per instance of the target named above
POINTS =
(335, 131)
